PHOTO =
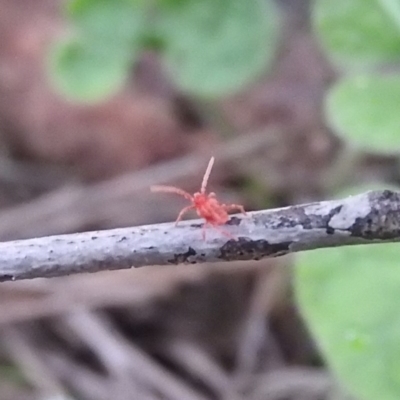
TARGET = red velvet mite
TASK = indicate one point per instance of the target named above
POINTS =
(206, 204)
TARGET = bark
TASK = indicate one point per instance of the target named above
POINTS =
(372, 217)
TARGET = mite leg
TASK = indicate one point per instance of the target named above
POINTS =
(203, 230)
(171, 189)
(183, 211)
(225, 233)
(222, 231)
(230, 207)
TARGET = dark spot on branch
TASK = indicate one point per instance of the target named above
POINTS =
(383, 221)
(246, 249)
(291, 218)
(234, 221)
(7, 278)
(190, 252)
(183, 258)
(330, 230)
(327, 219)
(122, 239)
(389, 195)
(377, 227)
(334, 211)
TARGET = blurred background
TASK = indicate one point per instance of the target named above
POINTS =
(99, 100)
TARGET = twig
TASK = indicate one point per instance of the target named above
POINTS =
(125, 360)
(203, 368)
(366, 218)
(25, 354)
(256, 335)
(304, 383)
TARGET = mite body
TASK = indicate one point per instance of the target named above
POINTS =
(206, 205)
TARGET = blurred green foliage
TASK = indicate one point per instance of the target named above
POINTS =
(362, 36)
(358, 33)
(211, 47)
(214, 47)
(365, 109)
(79, 71)
(349, 296)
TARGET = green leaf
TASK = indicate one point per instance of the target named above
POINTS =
(365, 110)
(359, 32)
(116, 19)
(349, 298)
(113, 26)
(94, 64)
(82, 74)
(215, 47)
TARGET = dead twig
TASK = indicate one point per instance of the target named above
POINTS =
(304, 383)
(125, 361)
(26, 356)
(194, 360)
(371, 217)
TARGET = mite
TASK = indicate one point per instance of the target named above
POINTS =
(206, 204)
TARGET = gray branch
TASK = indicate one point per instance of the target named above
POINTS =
(372, 217)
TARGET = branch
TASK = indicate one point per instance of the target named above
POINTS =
(366, 218)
